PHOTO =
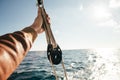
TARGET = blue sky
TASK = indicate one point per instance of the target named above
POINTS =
(76, 24)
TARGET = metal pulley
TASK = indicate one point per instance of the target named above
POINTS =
(54, 52)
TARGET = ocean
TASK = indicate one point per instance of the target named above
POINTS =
(81, 64)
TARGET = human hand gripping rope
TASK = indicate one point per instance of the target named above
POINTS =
(54, 53)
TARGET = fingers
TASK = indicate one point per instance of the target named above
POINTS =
(39, 17)
(39, 12)
(41, 31)
(48, 18)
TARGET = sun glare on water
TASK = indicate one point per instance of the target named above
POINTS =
(110, 60)
(108, 54)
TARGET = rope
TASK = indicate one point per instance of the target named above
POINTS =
(64, 69)
(53, 69)
(50, 37)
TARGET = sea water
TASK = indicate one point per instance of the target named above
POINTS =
(82, 64)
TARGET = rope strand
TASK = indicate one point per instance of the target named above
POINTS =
(53, 69)
(64, 69)
(49, 36)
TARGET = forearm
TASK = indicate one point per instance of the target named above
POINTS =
(13, 48)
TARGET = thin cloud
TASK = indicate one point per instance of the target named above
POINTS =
(114, 4)
(81, 7)
(103, 16)
(100, 12)
(108, 23)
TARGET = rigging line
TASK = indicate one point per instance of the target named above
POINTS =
(65, 72)
(47, 35)
(50, 35)
(45, 28)
(48, 28)
(47, 25)
(50, 38)
(54, 71)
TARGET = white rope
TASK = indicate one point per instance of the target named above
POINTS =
(49, 33)
(64, 69)
(53, 68)
(54, 71)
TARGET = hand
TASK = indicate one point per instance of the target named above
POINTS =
(37, 24)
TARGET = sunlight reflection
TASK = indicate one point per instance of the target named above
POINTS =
(107, 65)
(107, 53)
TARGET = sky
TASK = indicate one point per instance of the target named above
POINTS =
(76, 24)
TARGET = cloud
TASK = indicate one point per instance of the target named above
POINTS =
(81, 7)
(114, 4)
(104, 17)
(108, 23)
(57, 32)
(100, 12)
(117, 28)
